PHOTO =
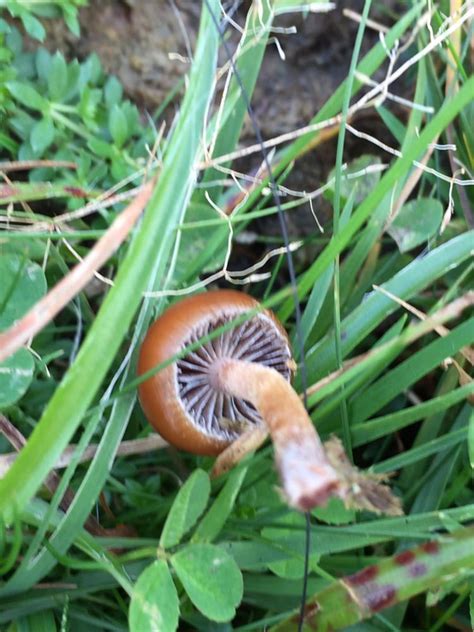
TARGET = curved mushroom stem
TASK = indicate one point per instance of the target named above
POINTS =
(307, 476)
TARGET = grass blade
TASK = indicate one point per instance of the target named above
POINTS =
(71, 400)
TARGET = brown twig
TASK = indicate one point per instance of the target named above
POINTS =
(26, 165)
(126, 448)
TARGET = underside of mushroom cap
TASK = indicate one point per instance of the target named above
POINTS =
(210, 408)
(182, 324)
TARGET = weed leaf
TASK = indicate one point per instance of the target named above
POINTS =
(27, 95)
(16, 373)
(215, 518)
(154, 605)
(211, 578)
(23, 284)
(416, 223)
(188, 505)
(42, 135)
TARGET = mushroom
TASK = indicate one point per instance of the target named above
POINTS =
(223, 397)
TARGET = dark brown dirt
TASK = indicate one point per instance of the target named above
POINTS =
(146, 43)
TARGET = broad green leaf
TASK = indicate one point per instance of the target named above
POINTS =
(212, 523)
(154, 605)
(416, 222)
(27, 95)
(42, 135)
(188, 505)
(360, 178)
(16, 373)
(33, 26)
(101, 148)
(118, 125)
(132, 117)
(22, 284)
(90, 99)
(294, 566)
(57, 78)
(73, 78)
(72, 22)
(113, 91)
(335, 512)
(4, 27)
(43, 61)
(211, 578)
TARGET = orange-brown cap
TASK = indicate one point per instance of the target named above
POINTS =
(172, 400)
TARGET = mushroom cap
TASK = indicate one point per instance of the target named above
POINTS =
(171, 398)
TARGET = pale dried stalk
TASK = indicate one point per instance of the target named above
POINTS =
(126, 448)
(46, 309)
(441, 330)
(26, 165)
(367, 100)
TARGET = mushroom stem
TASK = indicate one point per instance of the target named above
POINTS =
(307, 476)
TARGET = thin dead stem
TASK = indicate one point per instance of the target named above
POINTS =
(44, 311)
(126, 448)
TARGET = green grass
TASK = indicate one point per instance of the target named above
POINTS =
(403, 408)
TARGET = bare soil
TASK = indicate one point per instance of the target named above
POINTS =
(146, 43)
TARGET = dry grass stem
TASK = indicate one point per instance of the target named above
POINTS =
(126, 448)
(441, 330)
(368, 100)
(356, 17)
(26, 165)
(46, 309)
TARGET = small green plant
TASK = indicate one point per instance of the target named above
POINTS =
(70, 112)
(31, 12)
(207, 573)
(148, 541)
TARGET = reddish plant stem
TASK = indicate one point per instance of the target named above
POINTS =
(395, 579)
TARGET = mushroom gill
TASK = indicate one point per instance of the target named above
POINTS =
(209, 407)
